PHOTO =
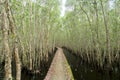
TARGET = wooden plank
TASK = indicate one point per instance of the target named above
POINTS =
(59, 69)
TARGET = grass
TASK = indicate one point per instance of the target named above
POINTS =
(69, 71)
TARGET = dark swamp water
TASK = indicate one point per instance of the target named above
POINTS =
(30, 75)
(80, 68)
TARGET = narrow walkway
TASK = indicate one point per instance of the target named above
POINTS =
(59, 69)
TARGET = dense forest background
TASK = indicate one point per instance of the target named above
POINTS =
(30, 29)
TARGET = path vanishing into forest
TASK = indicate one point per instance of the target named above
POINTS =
(59, 69)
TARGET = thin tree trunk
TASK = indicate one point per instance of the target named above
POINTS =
(96, 19)
(97, 43)
(17, 61)
(89, 25)
(107, 34)
(8, 71)
(30, 57)
(86, 15)
(12, 28)
(30, 41)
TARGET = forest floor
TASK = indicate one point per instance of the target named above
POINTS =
(59, 69)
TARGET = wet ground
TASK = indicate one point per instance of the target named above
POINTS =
(81, 70)
(1, 71)
(30, 75)
(85, 71)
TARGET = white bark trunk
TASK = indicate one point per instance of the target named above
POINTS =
(8, 72)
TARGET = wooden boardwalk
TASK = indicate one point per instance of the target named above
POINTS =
(59, 69)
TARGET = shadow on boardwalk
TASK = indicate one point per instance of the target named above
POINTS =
(59, 69)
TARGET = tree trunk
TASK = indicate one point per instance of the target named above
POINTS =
(97, 42)
(107, 34)
(30, 57)
(30, 41)
(12, 28)
(17, 61)
(96, 19)
(8, 71)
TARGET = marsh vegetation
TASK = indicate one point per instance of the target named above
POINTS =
(31, 29)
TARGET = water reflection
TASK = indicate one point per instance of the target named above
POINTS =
(84, 71)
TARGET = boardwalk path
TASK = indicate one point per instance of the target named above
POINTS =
(59, 69)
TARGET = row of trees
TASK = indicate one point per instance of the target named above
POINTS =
(30, 29)
(93, 29)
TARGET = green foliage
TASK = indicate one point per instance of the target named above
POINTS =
(86, 29)
(81, 29)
